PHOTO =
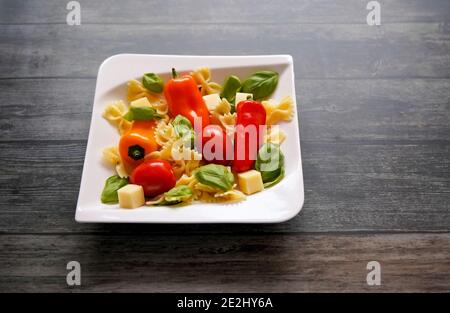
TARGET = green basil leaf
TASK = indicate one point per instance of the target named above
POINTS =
(215, 175)
(143, 113)
(270, 163)
(230, 87)
(153, 82)
(129, 116)
(112, 184)
(183, 129)
(261, 84)
(178, 194)
(276, 180)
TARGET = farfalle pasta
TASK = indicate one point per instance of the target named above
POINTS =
(114, 113)
(275, 135)
(164, 133)
(202, 77)
(221, 115)
(180, 139)
(278, 111)
(209, 194)
(137, 91)
(111, 157)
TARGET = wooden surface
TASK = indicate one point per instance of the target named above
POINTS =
(374, 113)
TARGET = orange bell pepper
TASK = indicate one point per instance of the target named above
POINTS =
(184, 98)
(136, 143)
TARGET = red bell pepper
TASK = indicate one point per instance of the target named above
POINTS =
(249, 113)
(184, 98)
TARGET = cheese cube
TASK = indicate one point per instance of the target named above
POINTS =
(141, 102)
(131, 196)
(212, 101)
(242, 96)
(250, 182)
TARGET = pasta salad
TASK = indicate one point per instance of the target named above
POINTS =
(191, 139)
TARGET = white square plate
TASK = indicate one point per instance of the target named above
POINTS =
(276, 204)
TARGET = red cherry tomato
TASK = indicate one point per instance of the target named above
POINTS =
(248, 112)
(155, 176)
(218, 140)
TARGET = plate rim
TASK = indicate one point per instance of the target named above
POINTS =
(82, 216)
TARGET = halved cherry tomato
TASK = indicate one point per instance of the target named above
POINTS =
(155, 176)
(214, 138)
(249, 113)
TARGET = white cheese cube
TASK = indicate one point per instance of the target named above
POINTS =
(250, 182)
(131, 196)
(242, 96)
(212, 101)
(141, 102)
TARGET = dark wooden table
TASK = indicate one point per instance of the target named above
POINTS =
(374, 105)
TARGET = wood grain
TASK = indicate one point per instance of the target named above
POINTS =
(357, 110)
(348, 187)
(226, 263)
(416, 50)
(223, 12)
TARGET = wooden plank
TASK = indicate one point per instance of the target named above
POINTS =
(374, 163)
(226, 263)
(319, 50)
(49, 109)
(224, 12)
(382, 110)
(348, 187)
(374, 114)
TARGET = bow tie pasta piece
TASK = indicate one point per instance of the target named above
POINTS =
(191, 182)
(229, 196)
(228, 122)
(223, 107)
(185, 161)
(277, 112)
(164, 133)
(136, 91)
(233, 195)
(161, 107)
(210, 194)
(114, 113)
(202, 77)
(187, 180)
(221, 115)
(275, 135)
(111, 157)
